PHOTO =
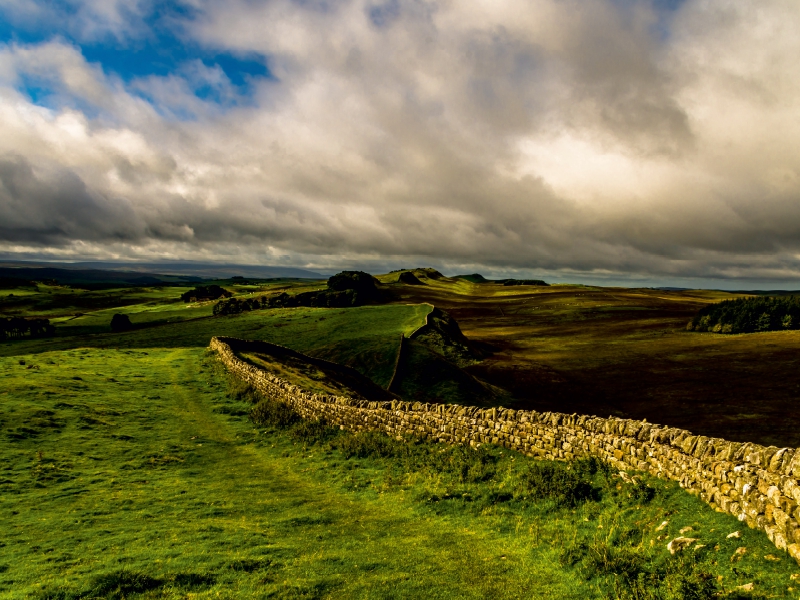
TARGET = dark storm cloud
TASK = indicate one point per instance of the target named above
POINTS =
(57, 207)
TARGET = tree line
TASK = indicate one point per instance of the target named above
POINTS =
(748, 315)
(537, 282)
(205, 292)
(17, 327)
(234, 306)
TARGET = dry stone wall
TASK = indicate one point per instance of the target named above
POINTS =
(757, 484)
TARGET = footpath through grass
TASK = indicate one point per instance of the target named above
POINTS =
(136, 473)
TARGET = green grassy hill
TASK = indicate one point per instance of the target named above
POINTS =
(365, 338)
(136, 473)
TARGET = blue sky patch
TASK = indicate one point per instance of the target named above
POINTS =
(153, 48)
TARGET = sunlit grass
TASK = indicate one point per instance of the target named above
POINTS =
(366, 338)
(137, 468)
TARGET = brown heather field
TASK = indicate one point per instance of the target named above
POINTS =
(626, 352)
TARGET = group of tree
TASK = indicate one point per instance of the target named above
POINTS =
(234, 306)
(748, 315)
(205, 292)
(345, 289)
(120, 323)
(17, 327)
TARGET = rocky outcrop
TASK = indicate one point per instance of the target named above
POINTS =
(758, 485)
(442, 334)
(408, 278)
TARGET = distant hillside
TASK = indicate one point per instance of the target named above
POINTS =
(474, 278)
(9, 283)
(185, 270)
(92, 278)
(416, 276)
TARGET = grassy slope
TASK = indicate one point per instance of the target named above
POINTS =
(426, 376)
(81, 312)
(567, 348)
(365, 338)
(137, 462)
(122, 454)
(146, 473)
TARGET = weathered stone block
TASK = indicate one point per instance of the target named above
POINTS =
(793, 467)
(781, 519)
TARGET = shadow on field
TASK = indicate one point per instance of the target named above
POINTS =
(626, 352)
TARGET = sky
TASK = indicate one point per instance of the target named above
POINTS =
(654, 142)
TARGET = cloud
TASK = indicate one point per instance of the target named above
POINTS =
(590, 136)
(55, 205)
(86, 20)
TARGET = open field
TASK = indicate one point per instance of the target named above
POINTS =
(365, 338)
(134, 471)
(79, 311)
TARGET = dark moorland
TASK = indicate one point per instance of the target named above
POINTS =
(627, 352)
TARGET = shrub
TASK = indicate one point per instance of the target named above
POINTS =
(565, 485)
(603, 558)
(239, 390)
(313, 432)
(642, 492)
(637, 573)
(120, 323)
(369, 444)
(273, 413)
(470, 465)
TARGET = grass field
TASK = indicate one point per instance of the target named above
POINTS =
(365, 338)
(132, 472)
(129, 468)
(567, 348)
